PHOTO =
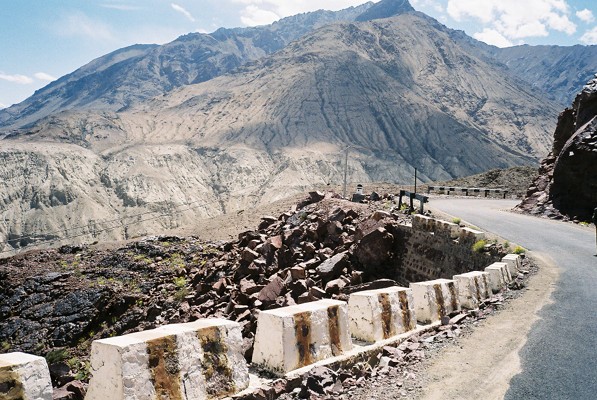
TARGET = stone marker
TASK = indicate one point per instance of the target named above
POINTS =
(196, 360)
(24, 377)
(514, 263)
(292, 337)
(499, 276)
(473, 288)
(382, 313)
(434, 299)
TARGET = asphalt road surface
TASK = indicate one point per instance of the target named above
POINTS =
(559, 359)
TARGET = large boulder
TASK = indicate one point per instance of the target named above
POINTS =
(375, 248)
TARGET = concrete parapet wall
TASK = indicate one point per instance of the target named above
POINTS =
(380, 314)
(471, 235)
(437, 226)
(196, 360)
(499, 276)
(24, 377)
(435, 299)
(292, 337)
(473, 288)
(514, 262)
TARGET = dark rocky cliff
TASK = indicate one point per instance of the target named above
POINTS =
(567, 184)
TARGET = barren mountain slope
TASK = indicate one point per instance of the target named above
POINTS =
(136, 73)
(403, 91)
(558, 71)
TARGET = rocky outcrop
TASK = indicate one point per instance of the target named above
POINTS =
(567, 182)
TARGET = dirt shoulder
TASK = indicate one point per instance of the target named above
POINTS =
(482, 364)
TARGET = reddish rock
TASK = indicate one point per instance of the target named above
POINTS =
(375, 248)
(272, 290)
(332, 267)
(297, 273)
(249, 255)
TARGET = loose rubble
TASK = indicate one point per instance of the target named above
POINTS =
(54, 303)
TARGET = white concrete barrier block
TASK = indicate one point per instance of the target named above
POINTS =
(499, 276)
(24, 377)
(473, 288)
(196, 360)
(514, 262)
(434, 299)
(292, 337)
(382, 313)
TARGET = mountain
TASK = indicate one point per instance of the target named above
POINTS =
(98, 154)
(558, 71)
(133, 74)
(567, 183)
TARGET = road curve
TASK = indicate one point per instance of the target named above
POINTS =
(559, 359)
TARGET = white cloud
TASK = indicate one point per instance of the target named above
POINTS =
(42, 76)
(515, 19)
(259, 12)
(493, 37)
(20, 79)
(590, 36)
(183, 11)
(253, 15)
(585, 15)
(79, 24)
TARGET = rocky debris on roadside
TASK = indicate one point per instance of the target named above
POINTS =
(54, 303)
(566, 187)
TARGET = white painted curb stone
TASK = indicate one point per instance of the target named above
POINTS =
(192, 361)
(292, 337)
(380, 314)
(434, 299)
(514, 263)
(24, 376)
(499, 276)
(473, 288)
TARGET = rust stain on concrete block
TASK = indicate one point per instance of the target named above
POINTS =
(302, 331)
(386, 315)
(439, 300)
(334, 330)
(164, 367)
(216, 368)
(408, 322)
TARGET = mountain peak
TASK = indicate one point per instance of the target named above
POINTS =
(386, 9)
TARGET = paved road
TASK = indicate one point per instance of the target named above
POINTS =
(559, 360)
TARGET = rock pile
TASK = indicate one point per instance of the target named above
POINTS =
(567, 184)
(54, 303)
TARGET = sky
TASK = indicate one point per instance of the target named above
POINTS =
(42, 40)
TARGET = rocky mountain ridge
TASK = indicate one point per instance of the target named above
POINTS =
(133, 74)
(392, 93)
(567, 183)
(140, 72)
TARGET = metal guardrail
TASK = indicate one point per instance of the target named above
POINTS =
(467, 191)
(412, 196)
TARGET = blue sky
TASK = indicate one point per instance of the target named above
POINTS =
(45, 39)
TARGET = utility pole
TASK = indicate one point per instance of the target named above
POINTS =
(345, 171)
(415, 180)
